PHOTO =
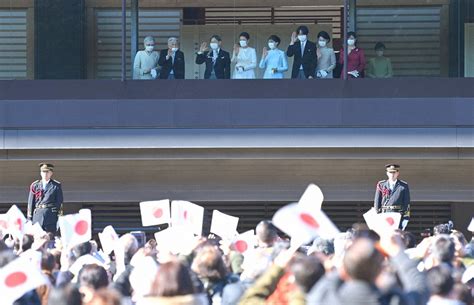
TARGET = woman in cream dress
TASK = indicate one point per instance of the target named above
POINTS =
(245, 59)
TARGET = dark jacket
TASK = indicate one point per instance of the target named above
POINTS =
(308, 60)
(331, 290)
(52, 196)
(168, 64)
(221, 67)
(400, 196)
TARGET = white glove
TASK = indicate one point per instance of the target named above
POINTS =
(153, 73)
(323, 73)
(354, 73)
(404, 224)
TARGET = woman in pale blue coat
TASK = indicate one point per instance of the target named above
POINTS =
(273, 59)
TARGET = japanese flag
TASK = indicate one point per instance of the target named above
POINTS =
(108, 239)
(188, 214)
(34, 229)
(33, 257)
(16, 222)
(312, 198)
(176, 239)
(303, 224)
(76, 228)
(155, 212)
(82, 261)
(3, 223)
(224, 225)
(19, 277)
(244, 242)
(382, 223)
(471, 225)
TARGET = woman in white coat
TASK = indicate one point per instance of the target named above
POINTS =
(273, 59)
(245, 58)
(146, 61)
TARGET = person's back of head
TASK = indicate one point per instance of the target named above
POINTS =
(105, 297)
(443, 249)
(27, 242)
(6, 257)
(208, 263)
(444, 228)
(362, 260)
(440, 281)
(307, 270)
(66, 295)
(130, 245)
(409, 239)
(93, 276)
(322, 246)
(172, 279)
(48, 261)
(266, 233)
(82, 249)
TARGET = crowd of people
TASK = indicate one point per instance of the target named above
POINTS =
(311, 60)
(356, 267)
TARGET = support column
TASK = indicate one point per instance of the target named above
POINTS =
(134, 43)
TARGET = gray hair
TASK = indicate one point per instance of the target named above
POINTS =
(148, 39)
(172, 39)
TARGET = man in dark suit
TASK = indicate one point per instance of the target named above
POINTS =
(304, 51)
(217, 60)
(393, 195)
(45, 199)
(172, 61)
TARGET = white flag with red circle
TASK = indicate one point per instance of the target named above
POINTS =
(34, 229)
(19, 277)
(224, 225)
(108, 239)
(244, 242)
(312, 197)
(303, 224)
(3, 223)
(187, 214)
(16, 222)
(176, 239)
(471, 225)
(383, 222)
(33, 256)
(76, 228)
(155, 212)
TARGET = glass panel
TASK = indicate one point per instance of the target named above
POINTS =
(79, 39)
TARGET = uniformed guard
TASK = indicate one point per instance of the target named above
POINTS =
(393, 195)
(45, 199)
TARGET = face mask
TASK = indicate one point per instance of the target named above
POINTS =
(214, 45)
(351, 42)
(302, 38)
(271, 45)
(149, 48)
(174, 49)
(322, 43)
(243, 43)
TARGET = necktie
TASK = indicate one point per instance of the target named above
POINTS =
(214, 57)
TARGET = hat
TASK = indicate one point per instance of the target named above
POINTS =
(46, 166)
(391, 168)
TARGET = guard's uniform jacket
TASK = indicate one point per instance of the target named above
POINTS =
(393, 200)
(44, 205)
